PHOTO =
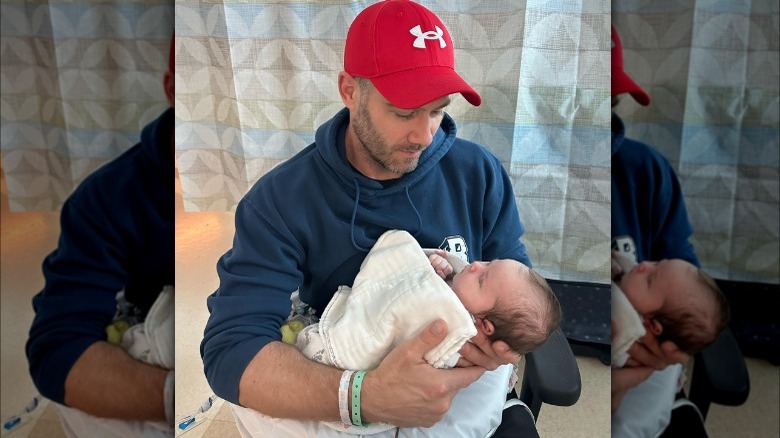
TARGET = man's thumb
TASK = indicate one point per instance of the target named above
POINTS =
(431, 335)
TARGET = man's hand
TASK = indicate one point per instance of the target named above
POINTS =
(624, 379)
(407, 391)
(482, 352)
(648, 352)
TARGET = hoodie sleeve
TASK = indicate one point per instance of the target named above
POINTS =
(257, 277)
(502, 225)
(78, 301)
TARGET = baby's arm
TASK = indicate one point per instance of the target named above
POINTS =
(440, 264)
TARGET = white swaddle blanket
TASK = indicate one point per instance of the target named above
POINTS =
(396, 294)
(626, 321)
(152, 340)
(627, 325)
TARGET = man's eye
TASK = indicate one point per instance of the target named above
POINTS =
(404, 116)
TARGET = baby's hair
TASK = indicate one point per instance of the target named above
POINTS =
(691, 328)
(527, 322)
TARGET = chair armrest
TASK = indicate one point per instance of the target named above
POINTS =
(720, 374)
(551, 375)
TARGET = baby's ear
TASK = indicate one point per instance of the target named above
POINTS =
(654, 326)
(485, 326)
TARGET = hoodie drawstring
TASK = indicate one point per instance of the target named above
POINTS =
(354, 215)
(416, 212)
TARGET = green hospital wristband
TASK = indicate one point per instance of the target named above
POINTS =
(357, 383)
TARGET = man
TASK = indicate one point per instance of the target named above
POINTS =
(649, 222)
(117, 234)
(389, 160)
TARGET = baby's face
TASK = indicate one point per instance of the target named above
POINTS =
(481, 285)
(651, 286)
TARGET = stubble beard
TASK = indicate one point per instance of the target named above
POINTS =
(376, 149)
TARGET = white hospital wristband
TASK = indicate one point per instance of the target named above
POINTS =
(346, 376)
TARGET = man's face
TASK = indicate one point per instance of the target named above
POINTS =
(391, 139)
(651, 286)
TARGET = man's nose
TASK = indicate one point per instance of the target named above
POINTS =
(423, 130)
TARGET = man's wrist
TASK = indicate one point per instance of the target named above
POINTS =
(367, 396)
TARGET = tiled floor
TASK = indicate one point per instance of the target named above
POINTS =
(201, 239)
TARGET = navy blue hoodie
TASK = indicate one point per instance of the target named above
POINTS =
(309, 223)
(649, 219)
(116, 232)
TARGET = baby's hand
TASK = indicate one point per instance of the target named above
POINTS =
(440, 264)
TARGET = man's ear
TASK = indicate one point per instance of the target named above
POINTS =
(349, 90)
(485, 326)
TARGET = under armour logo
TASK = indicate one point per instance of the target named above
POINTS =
(430, 35)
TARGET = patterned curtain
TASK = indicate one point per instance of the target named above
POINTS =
(255, 79)
(711, 69)
(79, 80)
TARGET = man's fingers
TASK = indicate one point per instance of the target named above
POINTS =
(463, 363)
(504, 353)
(632, 363)
(644, 356)
(674, 353)
(475, 355)
(625, 378)
(460, 378)
(650, 341)
(499, 351)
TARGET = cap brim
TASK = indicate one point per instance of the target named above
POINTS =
(622, 83)
(417, 87)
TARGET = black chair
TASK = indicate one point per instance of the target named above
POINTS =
(587, 311)
(550, 376)
(720, 375)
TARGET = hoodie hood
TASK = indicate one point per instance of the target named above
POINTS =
(330, 144)
(331, 147)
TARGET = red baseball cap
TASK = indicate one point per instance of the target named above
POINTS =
(406, 52)
(621, 82)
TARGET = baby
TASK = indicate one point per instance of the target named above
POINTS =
(401, 288)
(508, 300)
(675, 301)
